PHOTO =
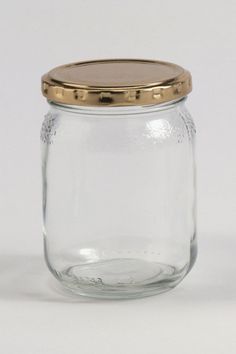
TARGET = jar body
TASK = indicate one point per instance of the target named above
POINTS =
(119, 198)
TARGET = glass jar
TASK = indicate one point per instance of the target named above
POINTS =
(118, 177)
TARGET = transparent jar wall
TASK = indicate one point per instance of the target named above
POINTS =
(119, 198)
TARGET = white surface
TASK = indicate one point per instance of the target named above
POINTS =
(199, 315)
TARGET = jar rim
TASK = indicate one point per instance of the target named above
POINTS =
(117, 110)
(116, 82)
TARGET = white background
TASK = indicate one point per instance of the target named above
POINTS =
(199, 316)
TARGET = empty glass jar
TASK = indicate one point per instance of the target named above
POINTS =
(118, 177)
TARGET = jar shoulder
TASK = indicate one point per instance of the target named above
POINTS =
(175, 125)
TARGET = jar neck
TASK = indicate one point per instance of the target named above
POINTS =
(117, 110)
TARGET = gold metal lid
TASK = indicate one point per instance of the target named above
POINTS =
(116, 82)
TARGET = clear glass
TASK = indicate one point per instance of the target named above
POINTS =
(119, 198)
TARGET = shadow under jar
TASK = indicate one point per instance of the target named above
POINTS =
(118, 177)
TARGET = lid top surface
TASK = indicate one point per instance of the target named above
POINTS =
(117, 73)
(116, 82)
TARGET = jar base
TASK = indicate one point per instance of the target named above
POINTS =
(121, 278)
